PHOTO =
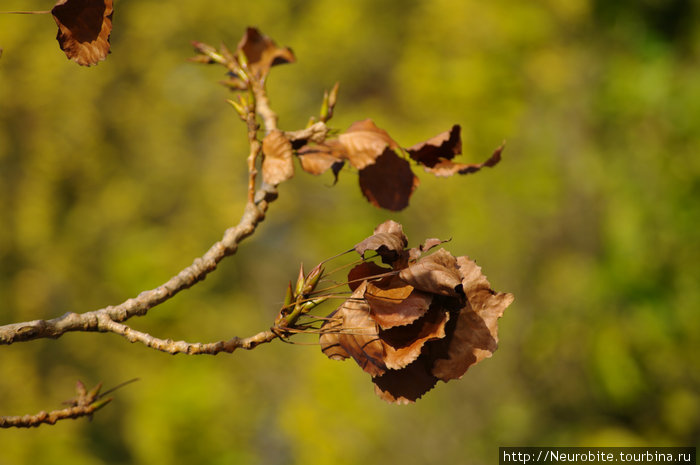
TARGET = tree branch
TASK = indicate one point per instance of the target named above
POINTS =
(182, 347)
(83, 405)
(98, 320)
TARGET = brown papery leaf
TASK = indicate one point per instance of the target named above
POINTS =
(407, 385)
(474, 335)
(446, 168)
(352, 332)
(364, 142)
(389, 182)
(84, 27)
(319, 158)
(363, 271)
(277, 164)
(262, 52)
(388, 241)
(436, 273)
(403, 344)
(395, 303)
(444, 146)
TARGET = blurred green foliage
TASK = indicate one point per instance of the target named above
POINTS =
(114, 178)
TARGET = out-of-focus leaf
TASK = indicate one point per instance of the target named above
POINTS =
(444, 146)
(262, 53)
(277, 164)
(84, 27)
(319, 158)
(445, 168)
(389, 182)
(436, 154)
(364, 142)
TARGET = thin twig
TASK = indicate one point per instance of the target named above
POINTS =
(83, 405)
(95, 320)
(195, 348)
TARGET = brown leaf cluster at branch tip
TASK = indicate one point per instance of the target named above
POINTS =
(384, 170)
(385, 175)
(84, 27)
(422, 319)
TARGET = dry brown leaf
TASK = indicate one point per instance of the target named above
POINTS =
(84, 27)
(352, 330)
(403, 344)
(389, 182)
(395, 303)
(319, 158)
(262, 53)
(388, 241)
(444, 146)
(436, 273)
(363, 271)
(363, 142)
(474, 335)
(445, 168)
(407, 385)
(277, 164)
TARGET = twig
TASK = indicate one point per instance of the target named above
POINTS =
(182, 347)
(83, 405)
(96, 320)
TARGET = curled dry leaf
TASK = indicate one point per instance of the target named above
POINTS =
(388, 241)
(262, 52)
(84, 27)
(428, 319)
(277, 164)
(436, 154)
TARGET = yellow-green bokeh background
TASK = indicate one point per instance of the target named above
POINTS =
(114, 178)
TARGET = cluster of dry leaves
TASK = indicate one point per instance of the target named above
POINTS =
(419, 319)
(385, 174)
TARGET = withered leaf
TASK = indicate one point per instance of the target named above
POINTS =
(319, 158)
(389, 182)
(277, 164)
(352, 332)
(474, 335)
(444, 146)
(363, 142)
(395, 303)
(84, 27)
(388, 241)
(363, 271)
(407, 385)
(262, 53)
(436, 273)
(445, 168)
(403, 344)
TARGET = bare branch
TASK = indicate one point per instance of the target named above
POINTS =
(182, 347)
(98, 320)
(83, 405)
